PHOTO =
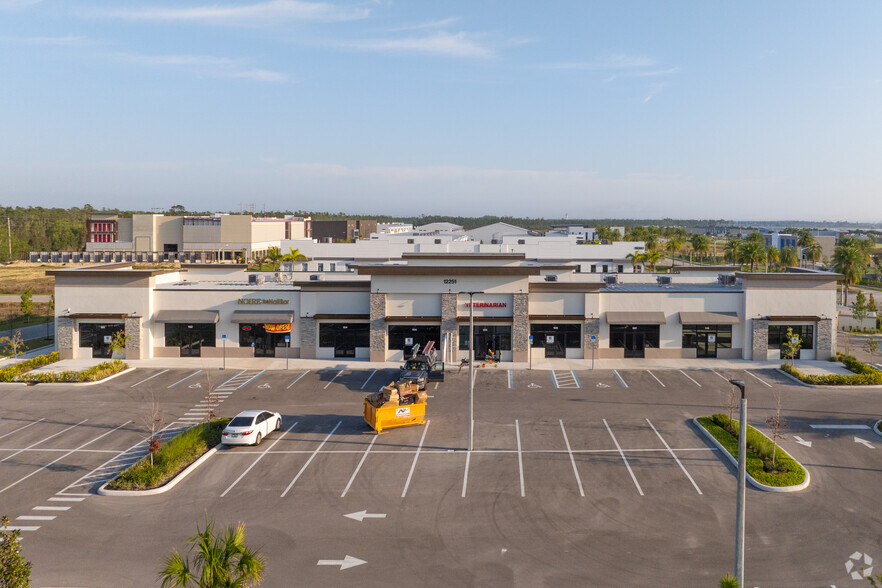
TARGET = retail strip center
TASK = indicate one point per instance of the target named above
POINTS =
(377, 310)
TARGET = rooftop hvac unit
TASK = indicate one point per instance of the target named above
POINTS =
(550, 278)
(256, 278)
(314, 277)
(726, 279)
(611, 280)
(664, 280)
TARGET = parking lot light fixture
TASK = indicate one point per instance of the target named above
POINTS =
(742, 478)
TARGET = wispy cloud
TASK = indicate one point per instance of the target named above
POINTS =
(67, 41)
(608, 63)
(269, 12)
(440, 43)
(17, 4)
(652, 91)
(432, 24)
(216, 67)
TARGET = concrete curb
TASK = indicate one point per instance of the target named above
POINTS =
(830, 386)
(125, 371)
(877, 428)
(751, 479)
(103, 491)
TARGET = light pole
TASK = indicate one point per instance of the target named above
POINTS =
(742, 478)
(224, 364)
(471, 368)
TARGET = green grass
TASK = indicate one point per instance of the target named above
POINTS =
(759, 452)
(9, 374)
(92, 374)
(20, 322)
(864, 375)
(172, 457)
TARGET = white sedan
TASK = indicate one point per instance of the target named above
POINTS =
(249, 427)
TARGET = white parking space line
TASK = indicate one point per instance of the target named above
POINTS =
(332, 379)
(436, 387)
(239, 373)
(19, 528)
(21, 428)
(311, 457)
(656, 379)
(674, 455)
(254, 377)
(690, 377)
(259, 457)
(621, 379)
(416, 456)
(191, 419)
(65, 499)
(185, 379)
(553, 378)
(758, 378)
(297, 379)
(63, 456)
(465, 476)
(625, 459)
(35, 518)
(368, 379)
(572, 459)
(510, 380)
(721, 375)
(520, 456)
(839, 426)
(51, 508)
(148, 379)
(42, 440)
(358, 467)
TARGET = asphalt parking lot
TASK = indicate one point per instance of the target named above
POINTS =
(576, 478)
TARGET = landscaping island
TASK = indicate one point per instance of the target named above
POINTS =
(768, 467)
(170, 459)
(21, 371)
(864, 375)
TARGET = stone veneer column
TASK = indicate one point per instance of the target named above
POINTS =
(307, 337)
(378, 326)
(825, 345)
(760, 340)
(592, 327)
(520, 327)
(64, 337)
(448, 323)
(133, 337)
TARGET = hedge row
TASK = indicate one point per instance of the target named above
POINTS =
(172, 457)
(759, 452)
(9, 374)
(864, 375)
(92, 374)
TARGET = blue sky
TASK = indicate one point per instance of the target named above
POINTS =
(740, 110)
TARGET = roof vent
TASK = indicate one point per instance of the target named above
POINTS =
(256, 278)
(314, 277)
(551, 278)
(726, 279)
(663, 280)
(611, 280)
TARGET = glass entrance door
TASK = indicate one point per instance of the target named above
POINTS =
(635, 343)
(344, 346)
(635, 339)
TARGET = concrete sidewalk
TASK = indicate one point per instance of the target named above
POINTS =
(806, 366)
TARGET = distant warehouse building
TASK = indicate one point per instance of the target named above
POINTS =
(377, 310)
(342, 230)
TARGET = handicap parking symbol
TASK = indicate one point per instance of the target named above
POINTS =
(602, 385)
(264, 386)
(532, 385)
(195, 385)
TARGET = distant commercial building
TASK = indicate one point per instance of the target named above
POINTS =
(495, 232)
(437, 229)
(222, 236)
(343, 230)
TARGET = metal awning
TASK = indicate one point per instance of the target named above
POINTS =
(635, 317)
(186, 316)
(709, 318)
(262, 316)
(801, 318)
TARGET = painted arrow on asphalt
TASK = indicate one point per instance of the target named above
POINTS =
(345, 563)
(863, 442)
(363, 514)
(801, 442)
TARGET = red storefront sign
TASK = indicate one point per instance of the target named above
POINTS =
(277, 327)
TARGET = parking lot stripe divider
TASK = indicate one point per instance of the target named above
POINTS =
(758, 378)
(674, 455)
(520, 456)
(576, 378)
(465, 475)
(656, 379)
(311, 457)
(36, 518)
(254, 377)
(553, 378)
(620, 379)
(150, 378)
(625, 459)
(239, 373)
(21, 428)
(358, 467)
(416, 456)
(42, 440)
(572, 459)
(20, 528)
(66, 499)
(510, 380)
(368, 379)
(196, 373)
(332, 379)
(297, 379)
(71, 452)
(51, 508)
(259, 457)
(719, 374)
(688, 376)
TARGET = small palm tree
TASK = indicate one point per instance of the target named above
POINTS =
(294, 256)
(850, 261)
(700, 244)
(673, 247)
(652, 257)
(805, 239)
(731, 250)
(274, 256)
(635, 259)
(789, 257)
(220, 561)
(752, 252)
(813, 252)
(772, 256)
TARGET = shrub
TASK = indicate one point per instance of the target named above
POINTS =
(864, 375)
(92, 374)
(729, 581)
(759, 452)
(8, 374)
(172, 457)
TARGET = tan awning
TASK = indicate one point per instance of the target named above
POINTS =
(709, 318)
(635, 318)
(782, 319)
(186, 316)
(262, 316)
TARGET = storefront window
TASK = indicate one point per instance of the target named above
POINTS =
(556, 339)
(706, 339)
(487, 338)
(404, 337)
(635, 339)
(191, 338)
(262, 339)
(778, 335)
(344, 337)
(98, 336)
